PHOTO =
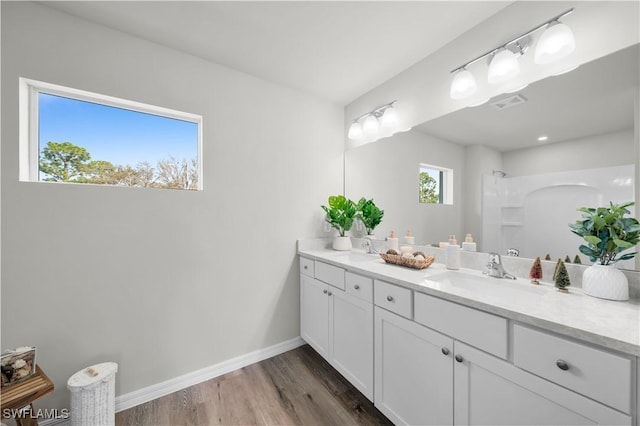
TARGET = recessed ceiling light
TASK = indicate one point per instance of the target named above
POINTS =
(542, 138)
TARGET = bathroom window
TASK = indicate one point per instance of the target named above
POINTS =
(77, 137)
(435, 185)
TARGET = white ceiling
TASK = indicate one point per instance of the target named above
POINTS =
(595, 99)
(336, 50)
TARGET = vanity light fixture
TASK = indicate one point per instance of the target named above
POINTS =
(355, 131)
(369, 123)
(463, 84)
(555, 43)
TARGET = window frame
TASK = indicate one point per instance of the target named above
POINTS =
(445, 183)
(29, 149)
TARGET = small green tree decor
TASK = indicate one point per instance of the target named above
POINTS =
(369, 214)
(536, 271)
(607, 232)
(561, 278)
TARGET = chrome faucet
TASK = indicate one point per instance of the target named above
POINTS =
(494, 268)
(368, 245)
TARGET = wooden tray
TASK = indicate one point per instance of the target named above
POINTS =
(408, 262)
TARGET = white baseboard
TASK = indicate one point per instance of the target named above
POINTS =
(158, 390)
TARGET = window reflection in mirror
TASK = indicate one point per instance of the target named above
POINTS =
(435, 185)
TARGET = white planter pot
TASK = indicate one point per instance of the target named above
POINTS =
(605, 282)
(342, 243)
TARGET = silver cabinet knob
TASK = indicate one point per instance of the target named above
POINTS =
(445, 351)
(390, 298)
(357, 287)
(562, 364)
(324, 291)
(459, 358)
(330, 293)
(306, 267)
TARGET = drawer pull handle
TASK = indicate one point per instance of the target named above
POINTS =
(445, 351)
(357, 287)
(390, 298)
(459, 358)
(562, 364)
(330, 293)
(324, 291)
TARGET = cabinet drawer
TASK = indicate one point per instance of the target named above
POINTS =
(306, 267)
(359, 286)
(600, 375)
(480, 329)
(393, 298)
(329, 274)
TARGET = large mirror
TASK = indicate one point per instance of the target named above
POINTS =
(511, 189)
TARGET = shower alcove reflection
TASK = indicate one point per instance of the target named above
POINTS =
(532, 213)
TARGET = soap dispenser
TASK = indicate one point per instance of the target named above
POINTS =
(453, 254)
(409, 238)
(468, 244)
(392, 241)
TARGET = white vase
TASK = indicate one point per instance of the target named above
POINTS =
(342, 243)
(605, 282)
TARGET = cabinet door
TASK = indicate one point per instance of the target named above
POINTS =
(314, 314)
(351, 339)
(491, 391)
(413, 372)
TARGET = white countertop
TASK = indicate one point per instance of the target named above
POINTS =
(612, 324)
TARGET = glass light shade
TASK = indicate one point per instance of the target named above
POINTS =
(370, 125)
(355, 131)
(463, 85)
(556, 42)
(389, 118)
(504, 66)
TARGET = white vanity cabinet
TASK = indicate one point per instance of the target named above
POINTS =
(336, 319)
(426, 360)
(489, 390)
(413, 371)
(425, 374)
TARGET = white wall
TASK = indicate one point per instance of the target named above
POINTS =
(161, 282)
(612, 149)
(388, 171)
(479, 161)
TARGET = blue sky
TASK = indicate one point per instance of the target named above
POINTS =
(117, 135)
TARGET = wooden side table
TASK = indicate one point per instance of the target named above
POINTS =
(20, 395)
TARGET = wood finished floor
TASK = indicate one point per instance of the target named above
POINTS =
(295, 388)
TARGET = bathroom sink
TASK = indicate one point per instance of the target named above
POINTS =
(487, 285)
(354, 256)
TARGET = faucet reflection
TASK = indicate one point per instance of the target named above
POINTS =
(495, 269)
(368, 245)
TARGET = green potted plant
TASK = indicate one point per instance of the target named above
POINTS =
(340, 215)
(607, 233)
(369, 214)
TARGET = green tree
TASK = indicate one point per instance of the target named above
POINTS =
(63, 162)
(428, 191)
(97, 171)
